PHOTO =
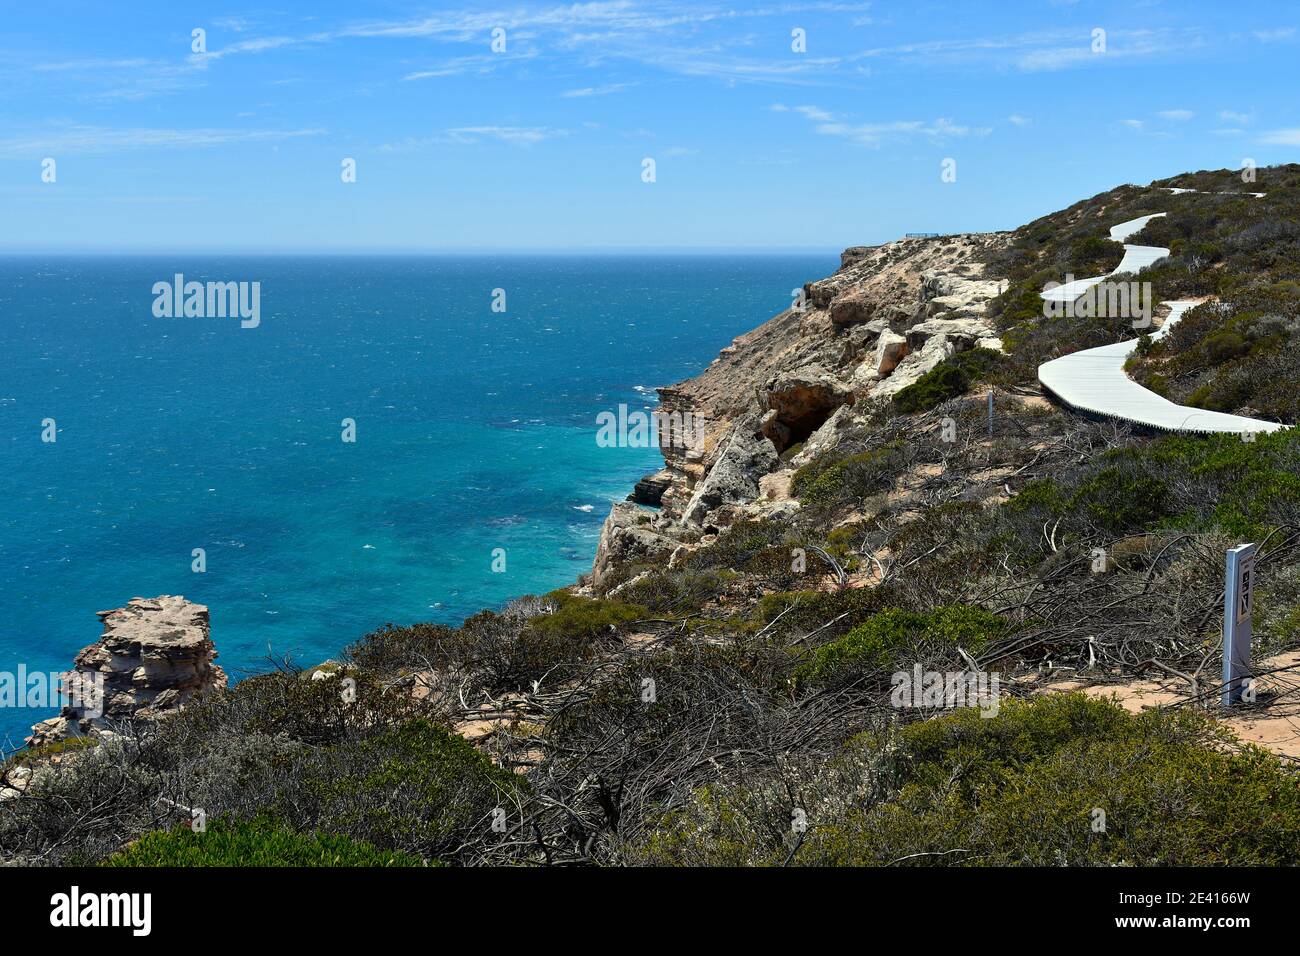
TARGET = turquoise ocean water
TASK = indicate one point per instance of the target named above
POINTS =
(475, 430)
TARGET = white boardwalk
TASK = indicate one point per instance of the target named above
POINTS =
(1094, 380)
(1135, 259)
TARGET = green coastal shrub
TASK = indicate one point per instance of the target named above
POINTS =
(1029, 782)
(253, 843)
(1243, 487)
(793, 612)
(880, 642)
(1021, 734)
(1187, 482)
(1023, 787)
(832, 481)
(419, 788)
(499, 650)
(578, 618)
(677, 590)
(759, 549)
(935, 387)
(949, 379)
(1095, 255)
(1121, 499)
(738, 544)
(1118, 498)
(314, 712)
(842, 544)
(392, 648)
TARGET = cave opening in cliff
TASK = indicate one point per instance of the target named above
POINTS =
(802, 428)
(786, 433)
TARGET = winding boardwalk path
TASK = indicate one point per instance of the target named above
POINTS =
(1094, 380)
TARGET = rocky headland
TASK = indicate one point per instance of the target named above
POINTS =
(881, 490)
(154, 656)
(779, 396)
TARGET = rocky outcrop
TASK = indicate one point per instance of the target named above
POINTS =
(852, 307)
(628, 536)
(887, 316)
(834, 431)
(154, 656)
(957, 292)
(14, 780)
(891, 348)
(744, 458)
(799, 401)
(650, 489)
(936, 349)
(963, 333)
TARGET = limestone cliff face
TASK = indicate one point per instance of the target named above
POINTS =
(154, 656)
(887, 316)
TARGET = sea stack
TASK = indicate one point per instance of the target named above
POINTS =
(154, 656)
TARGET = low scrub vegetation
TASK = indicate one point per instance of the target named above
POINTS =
(894, 636)
(1063, 780)
(690, 711)
(258, 842)
(952, 377)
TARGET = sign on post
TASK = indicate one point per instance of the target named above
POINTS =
(1238, 601)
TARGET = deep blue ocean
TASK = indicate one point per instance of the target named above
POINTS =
(475, 430)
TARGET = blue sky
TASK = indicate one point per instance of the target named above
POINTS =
(540, 147)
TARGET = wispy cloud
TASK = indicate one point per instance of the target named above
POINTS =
(873, 134)
(811, 112)
(464, 135)
(233, 24)
(1230, 116)
(1120, 46)
(597, 90)
(118, 78)
(474, 64)
(514, 135)
(91, 64)
(1015, 119)
(99, 139)
(256, 45)
(1282, 137)
(663, 36)
(1177, 116)
(1043, 50)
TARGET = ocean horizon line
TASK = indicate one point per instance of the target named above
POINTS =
(551, 253)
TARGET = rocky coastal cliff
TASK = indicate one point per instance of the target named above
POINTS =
(780, 395)
(862, 586)
(154, 656)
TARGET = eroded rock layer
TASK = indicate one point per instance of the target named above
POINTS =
(885, 318)
(154, 656)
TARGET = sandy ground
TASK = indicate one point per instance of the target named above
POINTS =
(1273, 722)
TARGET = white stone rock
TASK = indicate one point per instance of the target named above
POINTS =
(914, 366)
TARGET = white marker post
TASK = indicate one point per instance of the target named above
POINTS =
(1238, 600)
